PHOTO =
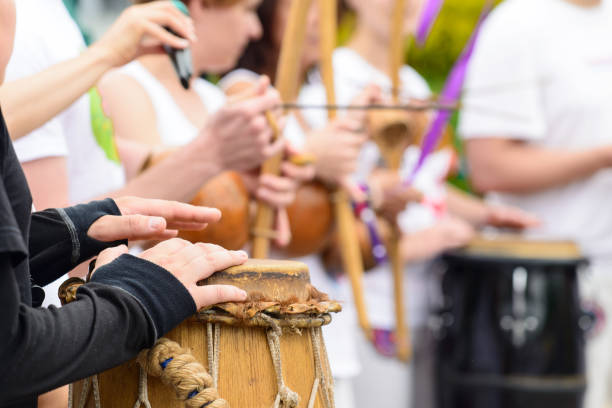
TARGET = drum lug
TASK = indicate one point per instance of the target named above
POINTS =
(519, 323)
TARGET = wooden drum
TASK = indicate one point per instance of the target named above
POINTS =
(266, 352)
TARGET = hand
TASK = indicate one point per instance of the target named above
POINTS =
(191, 263)
(448, 233)
(140, 30)
(239, 136)
(336, 148)
(510, 217)
(151, 219)
(389, 195)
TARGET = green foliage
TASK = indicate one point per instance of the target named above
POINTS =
(448, 37)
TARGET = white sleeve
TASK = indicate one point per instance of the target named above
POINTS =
(46, 141)
(501, 97)
(31, 56)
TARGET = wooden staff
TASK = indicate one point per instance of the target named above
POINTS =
(345, 219)
(402, 334)
(286, 84)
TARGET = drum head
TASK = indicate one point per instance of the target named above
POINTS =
(511, 249)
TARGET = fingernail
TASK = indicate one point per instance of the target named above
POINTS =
(242, 254)
(156, 223)
(242, 294)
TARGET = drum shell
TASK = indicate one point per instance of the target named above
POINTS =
(246, 374)
(479, 362)
(247, 377)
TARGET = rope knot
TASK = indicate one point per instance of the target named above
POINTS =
(288, 398)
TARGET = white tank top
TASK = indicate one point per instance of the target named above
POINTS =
(175, 129)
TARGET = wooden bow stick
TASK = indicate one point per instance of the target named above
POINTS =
(345, 219)
(392, 148)
(286, 84)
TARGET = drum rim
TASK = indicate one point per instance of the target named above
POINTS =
(464, 256)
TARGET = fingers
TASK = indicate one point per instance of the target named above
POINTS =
(277, 191)
(247, 90)
(283, 228)
(201, 262)
(109, 255)
(174, 212)
(167, 15)
(164, 36)
(161, 254)
(113, 228)
(208, 295)
(298, 173)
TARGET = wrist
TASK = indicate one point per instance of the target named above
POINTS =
(605, 157)
(204, 157)
(101, 57)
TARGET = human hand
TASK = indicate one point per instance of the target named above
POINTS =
(239, 136)
(336, 148)
(389, 194)
(510, 217)
(192, 263)
(448, 233)
(151, 219)
(140, 30)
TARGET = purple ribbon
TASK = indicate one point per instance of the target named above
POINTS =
(450, 94)
(364, 211)
(428, 17)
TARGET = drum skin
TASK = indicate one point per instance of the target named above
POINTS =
(310, 219)
(509, 333)
(227, 193)
(246, 373)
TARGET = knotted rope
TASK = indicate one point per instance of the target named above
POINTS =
(177, 367)
(285, 398)
(85, 392)
(320, 378)
(213, 351)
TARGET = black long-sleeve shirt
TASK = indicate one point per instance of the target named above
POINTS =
(125, 308)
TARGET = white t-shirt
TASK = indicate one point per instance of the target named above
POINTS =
(546, 67)
(175, 129)
(46, 35)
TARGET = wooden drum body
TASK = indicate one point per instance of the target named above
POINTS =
(266, 352)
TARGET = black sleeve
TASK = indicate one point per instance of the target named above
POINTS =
(128, 304)
(59, 240)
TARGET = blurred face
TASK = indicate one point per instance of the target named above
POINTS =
(376, 15)
(223, 34)
(7, 34)
(311, 51)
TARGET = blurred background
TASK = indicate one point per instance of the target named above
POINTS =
(434, 61)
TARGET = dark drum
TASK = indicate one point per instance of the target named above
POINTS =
(511, 327)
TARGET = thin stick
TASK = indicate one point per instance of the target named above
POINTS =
(286, 84)
(345, 219)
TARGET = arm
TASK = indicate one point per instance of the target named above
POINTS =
(48, 192)
(30, 102)
(59, 239)
(516, 167)
(130, 108)
(112, 320)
